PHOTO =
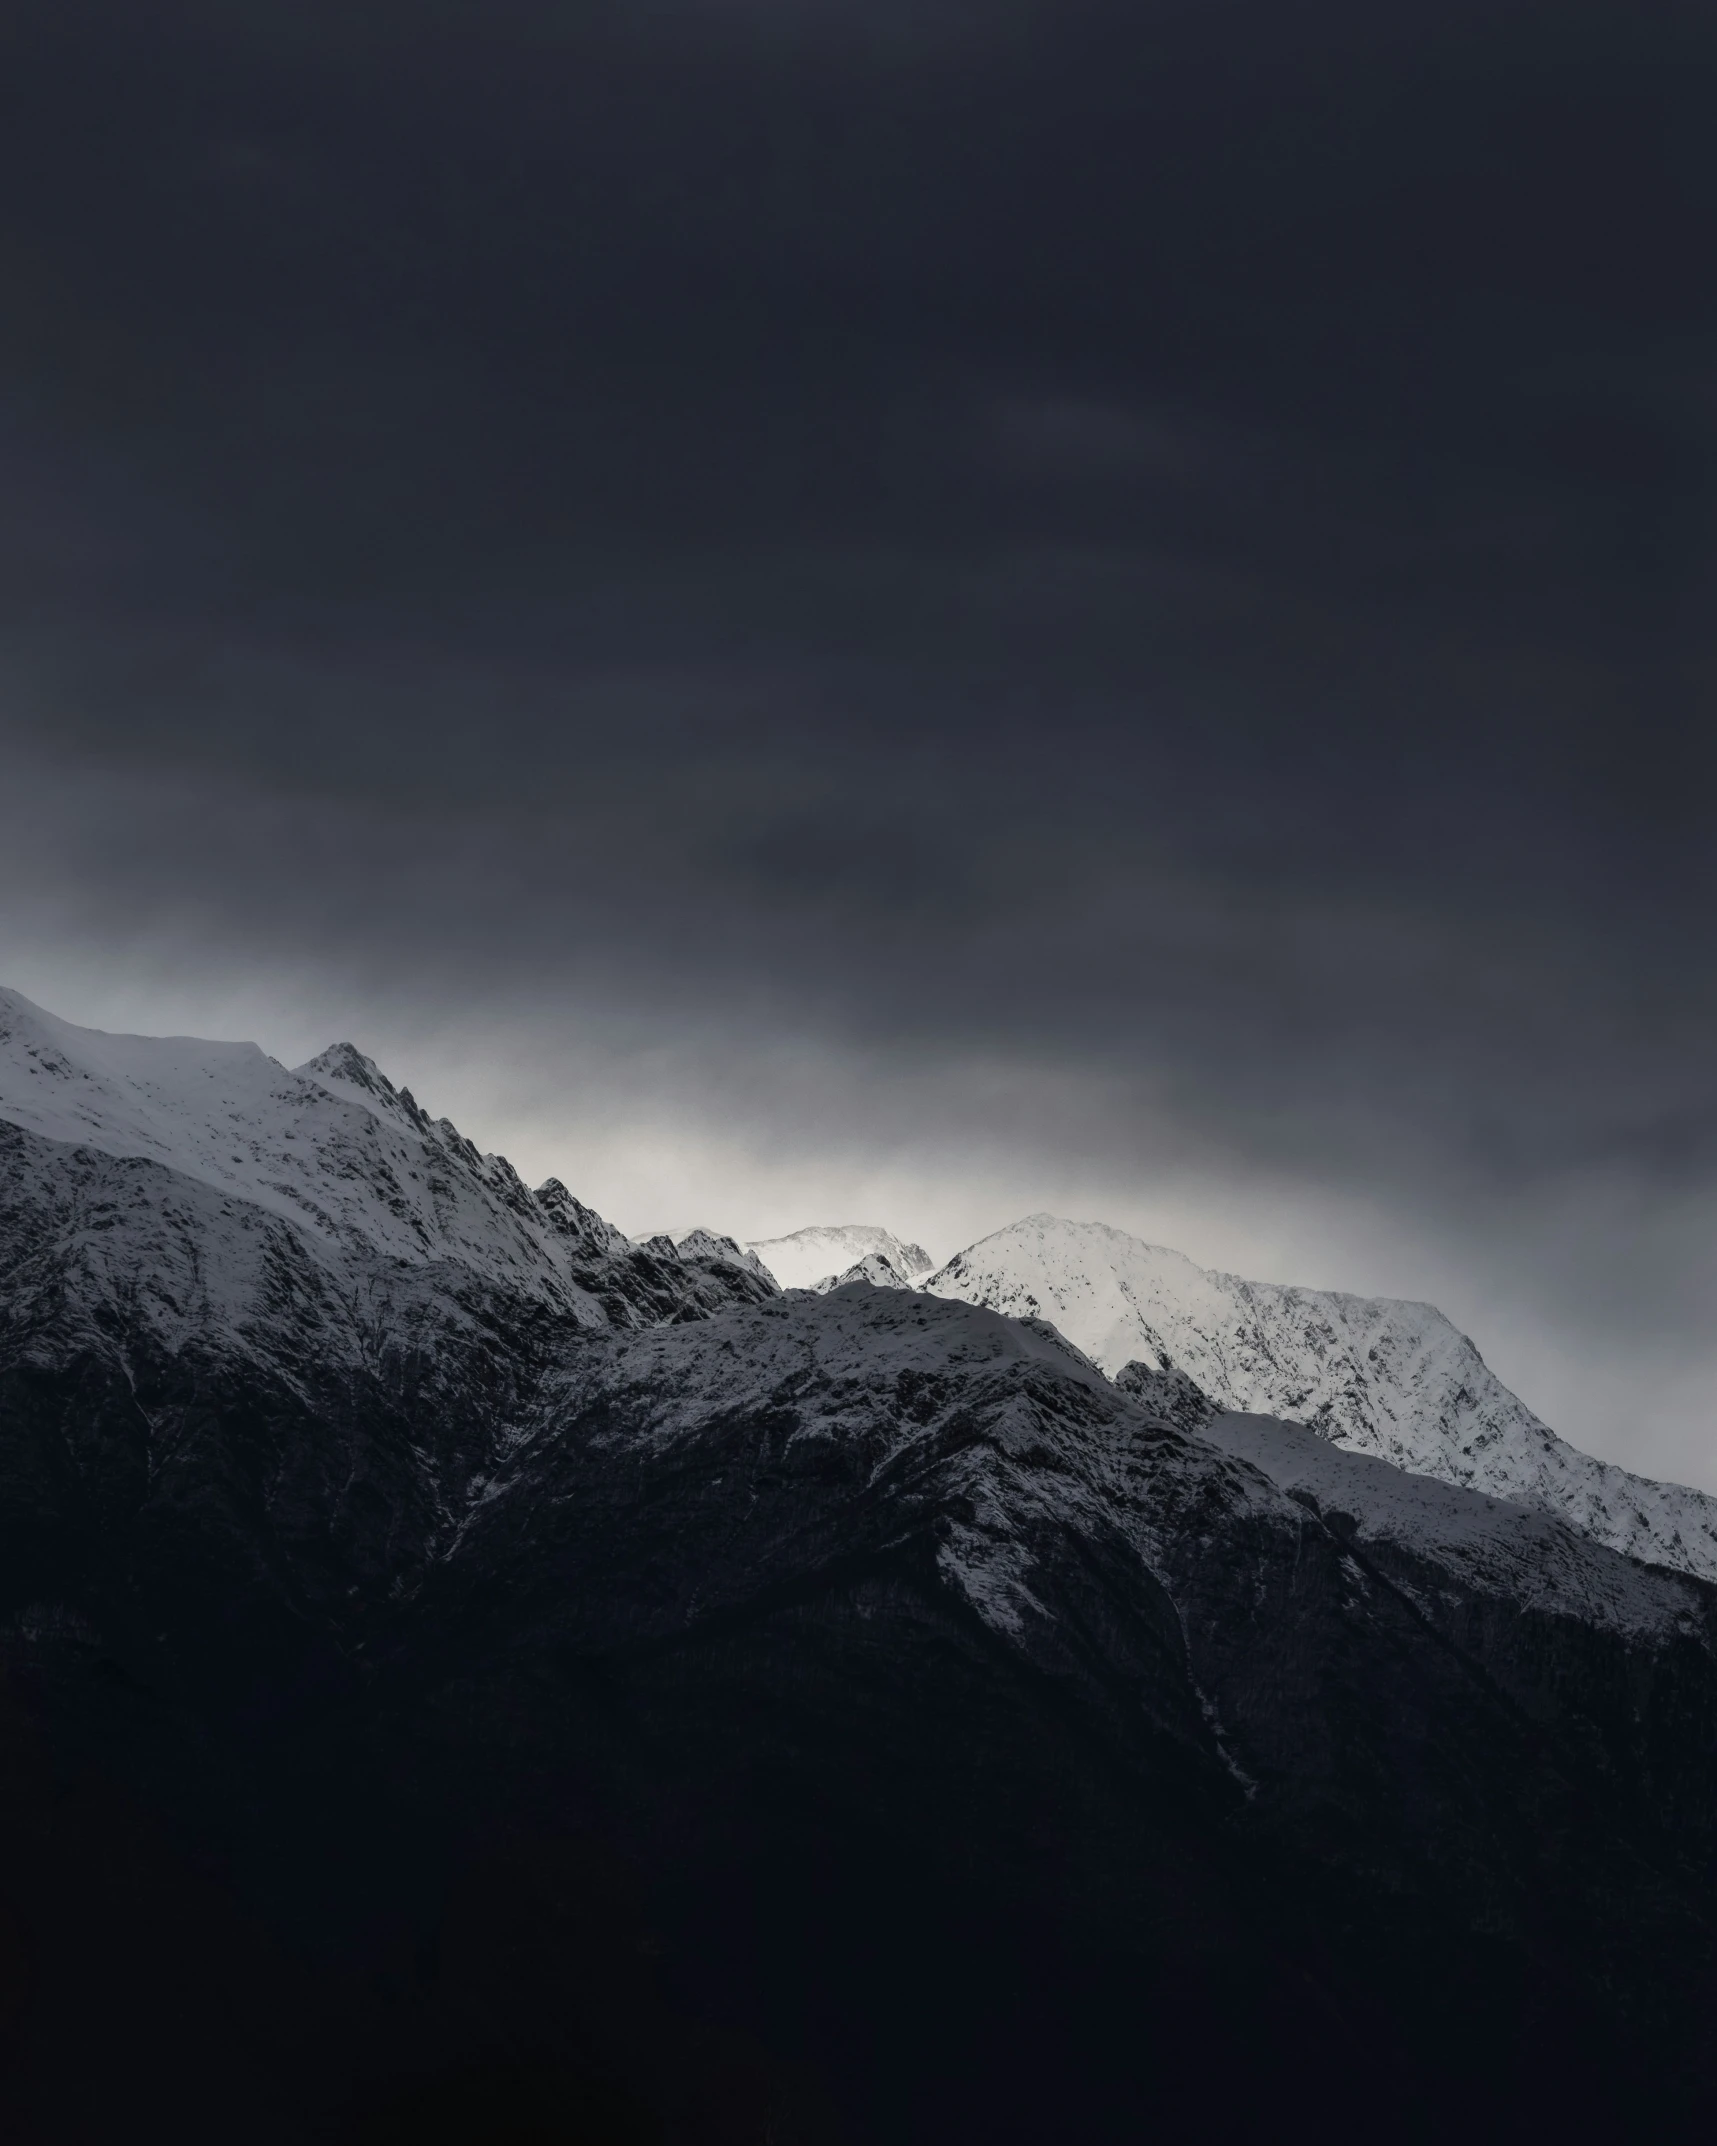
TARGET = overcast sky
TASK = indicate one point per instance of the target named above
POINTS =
(819, 612)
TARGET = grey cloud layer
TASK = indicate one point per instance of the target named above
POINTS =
(1172, 548)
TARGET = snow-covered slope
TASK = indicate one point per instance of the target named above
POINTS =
(810, 1256)
(1493, 1545)
(1372, 1374)
(355, 1168)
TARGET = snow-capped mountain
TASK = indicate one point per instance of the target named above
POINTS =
(814, 1255)
(123, 1149)
(331, 1147)
(451, 1654)
(1372, 1374)
(193, 1233)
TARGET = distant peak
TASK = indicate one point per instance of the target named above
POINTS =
(876, 1269)
(810, 1255)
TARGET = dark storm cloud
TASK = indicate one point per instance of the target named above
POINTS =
(1172, 540)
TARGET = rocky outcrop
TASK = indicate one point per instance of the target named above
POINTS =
(1163, 1391)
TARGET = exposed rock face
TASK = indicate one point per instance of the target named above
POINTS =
(579, 1694)
(1163, 1391)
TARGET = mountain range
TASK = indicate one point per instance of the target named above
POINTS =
(1373, 1374)
(471, 1675)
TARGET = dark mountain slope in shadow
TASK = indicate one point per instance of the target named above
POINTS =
(842, 1718)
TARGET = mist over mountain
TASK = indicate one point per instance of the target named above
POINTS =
(811, 1255)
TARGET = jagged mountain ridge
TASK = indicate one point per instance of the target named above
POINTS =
(188, 1229)
(375, 1191)
(1373, 1374)
(700, 1243)
(356, 1167)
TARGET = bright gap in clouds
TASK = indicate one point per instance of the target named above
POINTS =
(759, 1140)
